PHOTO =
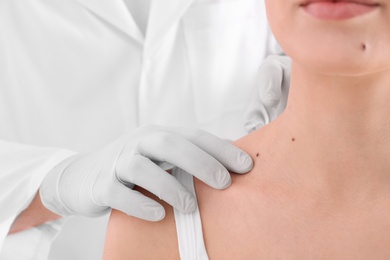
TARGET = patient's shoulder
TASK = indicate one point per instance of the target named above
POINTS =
(132, 238)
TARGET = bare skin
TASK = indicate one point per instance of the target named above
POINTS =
(121, 225)
(273, 213)
(320, 188)
(36, 214)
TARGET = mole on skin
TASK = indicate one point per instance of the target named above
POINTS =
(364, 47)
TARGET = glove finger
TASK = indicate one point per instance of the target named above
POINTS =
(144, 173)
(267, 95)
(179, 151)
(134, 203)
(229, 155)
(270, 81)
(276, 94)
(256, 119)
(164, 165)
(285, 64)
(284, 61)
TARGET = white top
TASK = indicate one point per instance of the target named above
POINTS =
(189, 226)
(78, 74)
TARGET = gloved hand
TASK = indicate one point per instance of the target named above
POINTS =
(91, 184)
(270, 97)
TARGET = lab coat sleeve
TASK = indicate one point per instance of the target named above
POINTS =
(22, 169)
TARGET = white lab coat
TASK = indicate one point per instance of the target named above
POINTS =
(77, 74)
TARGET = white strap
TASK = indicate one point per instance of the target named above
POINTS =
(189, 226)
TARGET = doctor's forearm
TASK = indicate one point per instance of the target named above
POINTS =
(34, 215)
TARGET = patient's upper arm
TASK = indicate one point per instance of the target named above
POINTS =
(131, 238)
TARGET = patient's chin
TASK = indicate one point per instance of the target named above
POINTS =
(339, 54)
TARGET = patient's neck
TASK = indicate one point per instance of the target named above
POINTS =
(356, 108)
(337, 129)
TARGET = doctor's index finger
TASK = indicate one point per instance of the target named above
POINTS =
(230, 156)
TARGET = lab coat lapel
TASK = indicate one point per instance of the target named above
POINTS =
(163, 14)
(116, 13)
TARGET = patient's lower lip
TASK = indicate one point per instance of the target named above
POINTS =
(337, 10)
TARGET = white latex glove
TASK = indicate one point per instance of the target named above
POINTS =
(93, 183)
(270, 97)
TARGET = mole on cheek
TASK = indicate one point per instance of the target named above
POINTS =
(363, 46)
(257, 155)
